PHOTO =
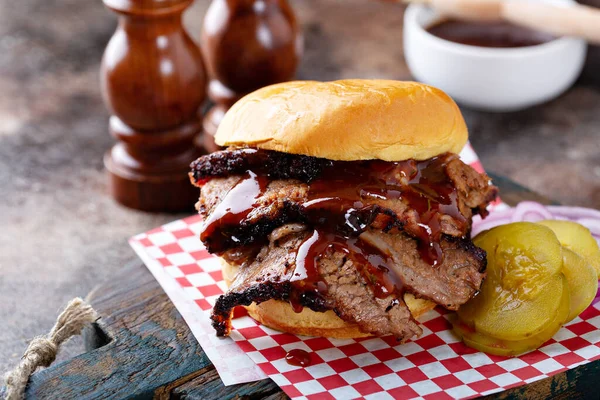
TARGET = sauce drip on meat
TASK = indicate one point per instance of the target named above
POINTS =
(235, 206)
(335, 198)
(338, 211)
(375, 266)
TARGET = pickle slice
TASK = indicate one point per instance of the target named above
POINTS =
(514, 319)
(582, 280)
(577, 238)
(500, 347)
(518, 299)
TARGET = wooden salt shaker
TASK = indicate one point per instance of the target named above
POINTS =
(153, 82)
(247, 44)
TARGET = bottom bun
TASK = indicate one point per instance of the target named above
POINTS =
(280, 316)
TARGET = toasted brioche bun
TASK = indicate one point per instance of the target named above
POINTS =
(279, 315)
(350, 119)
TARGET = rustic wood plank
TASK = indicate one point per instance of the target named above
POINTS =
(151, 347)
(209, 382)
(142, 348)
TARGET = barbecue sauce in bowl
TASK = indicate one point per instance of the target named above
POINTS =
(488, 34)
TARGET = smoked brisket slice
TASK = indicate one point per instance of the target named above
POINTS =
(278, 206)
(266, 278)
(281, 204)
(452, 283)
(354, 301)
(475, 189)
(287, 191)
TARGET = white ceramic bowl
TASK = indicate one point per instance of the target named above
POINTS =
(496, 79)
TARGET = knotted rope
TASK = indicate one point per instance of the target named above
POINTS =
(42, 351)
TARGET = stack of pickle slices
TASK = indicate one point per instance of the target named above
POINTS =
(539, 277)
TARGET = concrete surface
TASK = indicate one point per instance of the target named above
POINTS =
(60, 232)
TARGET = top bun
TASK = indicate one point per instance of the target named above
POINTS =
(348, 120)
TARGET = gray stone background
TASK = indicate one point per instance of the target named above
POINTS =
(60, 232)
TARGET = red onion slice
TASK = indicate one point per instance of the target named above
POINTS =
(574, 212)
(530, 211)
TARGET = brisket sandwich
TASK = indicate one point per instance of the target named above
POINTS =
(342, 209)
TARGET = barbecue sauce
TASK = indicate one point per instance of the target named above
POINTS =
(338, 211)
(336, 198)
(488, 34)
(375, 266)
(298, 358)
(236, 205)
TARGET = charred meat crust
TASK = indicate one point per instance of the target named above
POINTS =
(255, 231)
(221, 313)
(468, 246)
(273, 164)
(267, 276)
(260, 292)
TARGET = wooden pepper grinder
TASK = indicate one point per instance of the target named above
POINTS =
(153, 82)
(247, 44)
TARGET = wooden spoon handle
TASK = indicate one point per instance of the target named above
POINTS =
(473, 10)
(570, 20)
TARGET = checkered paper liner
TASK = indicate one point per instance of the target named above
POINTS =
(436, 365)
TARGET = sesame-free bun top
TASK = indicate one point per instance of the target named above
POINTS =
(350, 119)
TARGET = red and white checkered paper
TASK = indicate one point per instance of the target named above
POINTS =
(437, 365)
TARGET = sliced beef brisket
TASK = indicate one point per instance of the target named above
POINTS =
(268, 276)
(406, 211)
(282, 202)
(451, 283)
(354, 301)
(348, 294)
